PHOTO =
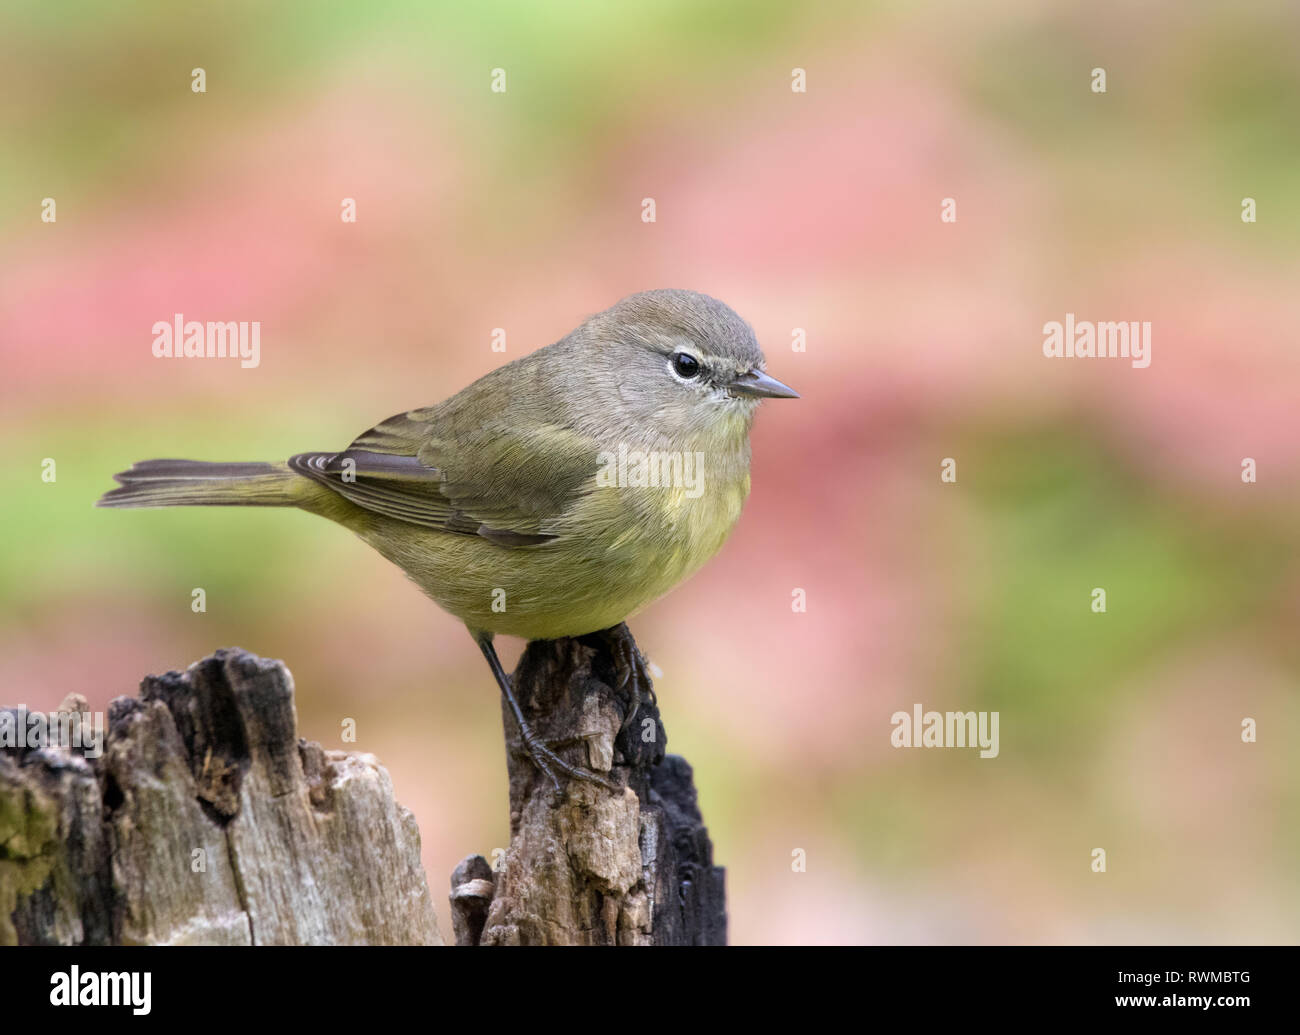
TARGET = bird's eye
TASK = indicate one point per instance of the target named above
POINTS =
(686, 365)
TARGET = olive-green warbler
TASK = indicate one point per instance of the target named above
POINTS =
(556, 495)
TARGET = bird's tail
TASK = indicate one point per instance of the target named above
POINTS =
(183, 483)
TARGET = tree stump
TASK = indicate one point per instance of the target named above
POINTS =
(592, 866)
(205, 820)
(202, 818)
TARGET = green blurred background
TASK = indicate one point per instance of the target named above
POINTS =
(819, 210)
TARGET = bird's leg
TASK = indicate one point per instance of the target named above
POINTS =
(546, 760)
(631, 665)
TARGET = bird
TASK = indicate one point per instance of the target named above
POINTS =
(555, 496)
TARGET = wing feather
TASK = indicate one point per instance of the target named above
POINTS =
(506, 483)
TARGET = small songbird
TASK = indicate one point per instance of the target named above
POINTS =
(555, 496)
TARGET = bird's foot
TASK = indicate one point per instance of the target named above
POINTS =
(630, 665)
(548, 763)
(546, 760)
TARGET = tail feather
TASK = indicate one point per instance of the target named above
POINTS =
(178, 483)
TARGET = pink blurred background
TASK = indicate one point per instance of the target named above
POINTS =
(820, 210)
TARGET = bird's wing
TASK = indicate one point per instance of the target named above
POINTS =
(505, 481)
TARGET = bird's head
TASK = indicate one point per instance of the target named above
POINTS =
(679, 365)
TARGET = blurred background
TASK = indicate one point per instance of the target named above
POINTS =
(821, 211)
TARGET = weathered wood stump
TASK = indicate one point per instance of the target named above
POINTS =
(592, 866)
(203, 818)
(206, 820)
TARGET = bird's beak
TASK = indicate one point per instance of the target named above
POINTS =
(757, 384)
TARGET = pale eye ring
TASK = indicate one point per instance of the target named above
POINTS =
(685, 365)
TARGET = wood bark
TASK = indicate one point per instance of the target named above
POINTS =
(591, 866)
(206, 820)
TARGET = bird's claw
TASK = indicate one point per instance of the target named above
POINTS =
(631, 665)
(544, 759)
